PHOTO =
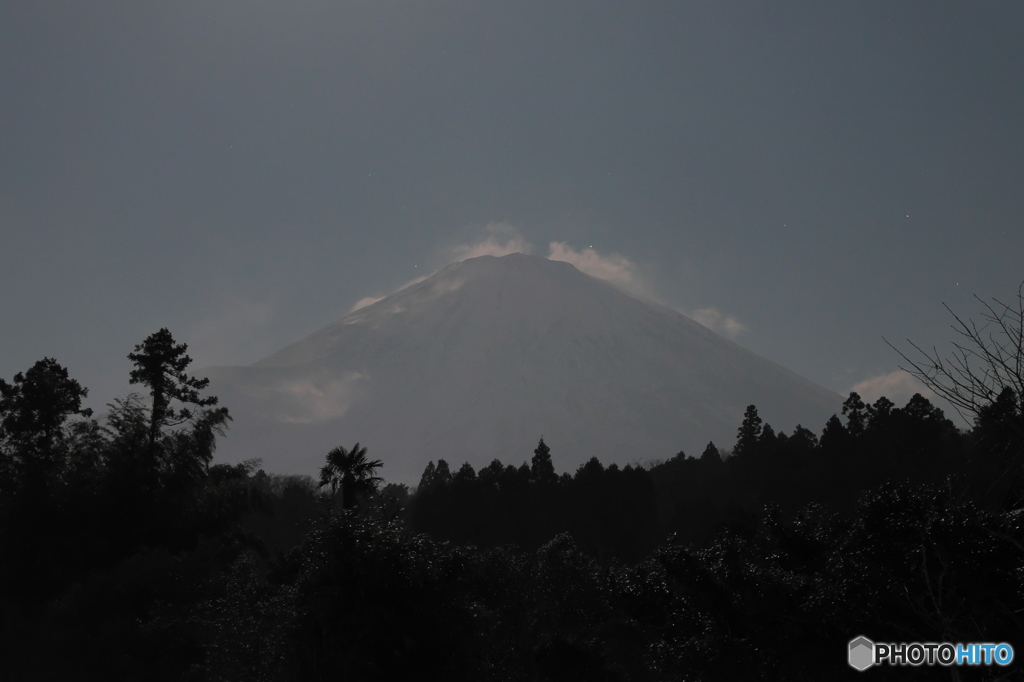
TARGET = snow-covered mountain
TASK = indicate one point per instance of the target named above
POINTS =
(487, 355)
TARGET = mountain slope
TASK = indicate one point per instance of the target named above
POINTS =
(485, 356)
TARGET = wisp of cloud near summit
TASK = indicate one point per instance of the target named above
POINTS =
(501, 239)
(613, 268)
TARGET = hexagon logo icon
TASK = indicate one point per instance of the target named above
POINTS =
(862, 653)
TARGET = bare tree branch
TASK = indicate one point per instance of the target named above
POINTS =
(986, 358)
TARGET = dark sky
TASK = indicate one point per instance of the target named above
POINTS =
(807, 176)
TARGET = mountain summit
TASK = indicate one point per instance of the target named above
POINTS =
(480, 359)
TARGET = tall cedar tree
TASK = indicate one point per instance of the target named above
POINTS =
(542, 469)
(160, 365)
(749, 432)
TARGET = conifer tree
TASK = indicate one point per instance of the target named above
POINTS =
(711, 454)
(490, 475)
(834, 435)
(856, 413)
(542, 470)
(768, 438)
(443, 473)
(428, 477)
(802, 440)
(160, 365)
(879, 413)
(749, 432)
(465, 474)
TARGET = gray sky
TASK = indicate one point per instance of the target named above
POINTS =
(815, 174)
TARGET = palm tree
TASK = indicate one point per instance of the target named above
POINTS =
(350, 470)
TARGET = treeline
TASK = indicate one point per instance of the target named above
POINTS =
(625, 512)
(126, 553)
(602, 508)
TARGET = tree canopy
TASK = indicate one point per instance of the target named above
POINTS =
(352, 472)
(160, 365)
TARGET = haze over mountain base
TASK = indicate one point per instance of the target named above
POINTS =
(484, 357)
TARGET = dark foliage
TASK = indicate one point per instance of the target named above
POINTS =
(127, 554)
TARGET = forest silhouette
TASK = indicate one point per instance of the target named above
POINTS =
(127, 553)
